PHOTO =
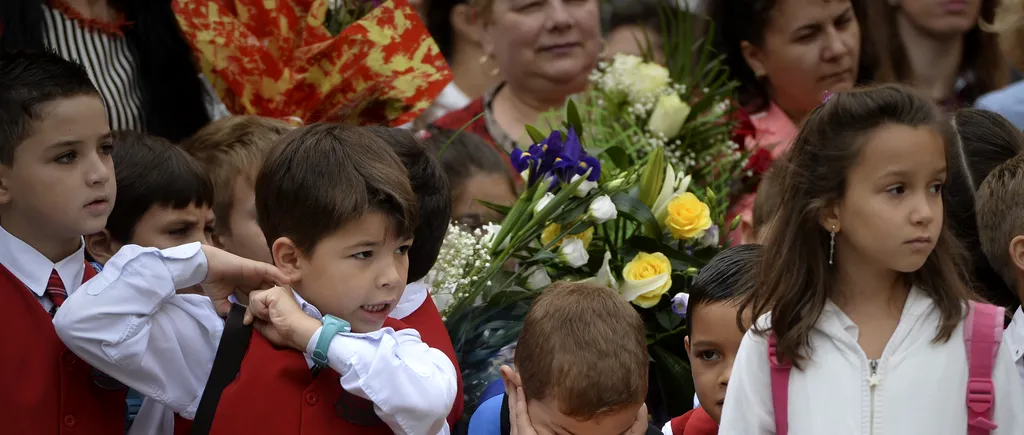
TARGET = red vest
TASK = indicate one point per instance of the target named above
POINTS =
(275, 392)
(695, 422)
(46, 389)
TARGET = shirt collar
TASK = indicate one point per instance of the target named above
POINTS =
(1014, 335)
(33, 269)
(307, 307)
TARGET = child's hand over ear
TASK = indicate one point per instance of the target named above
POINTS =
(228, 273)
(276, 315)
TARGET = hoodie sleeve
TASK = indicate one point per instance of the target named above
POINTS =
(748, 406)
(1009, 397)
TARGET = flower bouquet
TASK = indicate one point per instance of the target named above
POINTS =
(363, 62)
(643, 230)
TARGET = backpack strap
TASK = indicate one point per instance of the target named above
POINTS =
(983, 329)
(234, 342)
(780, 387)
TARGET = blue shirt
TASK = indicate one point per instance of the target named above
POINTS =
(1008, 101)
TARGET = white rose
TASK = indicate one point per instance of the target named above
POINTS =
(585, 187)
(538, 279)
(490, 232)
(602, 210)
(669, 115)
(605, 277)
(573, 252)
(544, 201)
(646, 81)
(671, 188)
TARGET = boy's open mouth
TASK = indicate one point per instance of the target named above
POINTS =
(376, 308)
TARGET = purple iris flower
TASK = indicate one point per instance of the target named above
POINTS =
(573, 160)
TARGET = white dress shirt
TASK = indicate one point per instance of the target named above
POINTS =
(921, 385)
(1013, 340)
(33, 269)
(130, 323)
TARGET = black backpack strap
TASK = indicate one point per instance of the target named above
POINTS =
(233, 345)
(506, 421)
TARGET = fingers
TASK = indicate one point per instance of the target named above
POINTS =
(513, 405)
(522, 415)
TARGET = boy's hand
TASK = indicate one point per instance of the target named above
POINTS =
(228, 273)
(519, 417)
(276, 315)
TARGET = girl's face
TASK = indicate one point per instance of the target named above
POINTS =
(555, 42)
(940, 17)
(891, 214)
(492, 188)
(809, 47)
(712, 345)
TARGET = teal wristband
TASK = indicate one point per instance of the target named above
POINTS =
(332, 326)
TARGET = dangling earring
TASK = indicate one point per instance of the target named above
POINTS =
(832, 244)
(484, 59)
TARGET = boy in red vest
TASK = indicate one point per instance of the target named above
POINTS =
(337, 210)
(164, 200)
(56, 185)
(713, 338)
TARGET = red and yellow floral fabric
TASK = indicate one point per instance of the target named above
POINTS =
(275, 58)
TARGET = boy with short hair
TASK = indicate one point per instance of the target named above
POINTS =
(56, 185)
(580, 367)
(999, 207)
(232, 151)
(336, 207)
(164, 200)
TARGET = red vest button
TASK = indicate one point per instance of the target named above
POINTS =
(69, 421)
(311, 398)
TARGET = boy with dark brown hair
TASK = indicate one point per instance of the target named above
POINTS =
(338, 212)
(581, 367)
(999, 207)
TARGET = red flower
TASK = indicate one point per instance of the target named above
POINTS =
(760, 160)
(744, 128)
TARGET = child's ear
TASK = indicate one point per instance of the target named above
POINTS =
(1017, 254)
(686, 344)
(288, 258)
(101, 246)
(5, 193)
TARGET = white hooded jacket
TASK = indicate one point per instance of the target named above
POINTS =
(921, 385)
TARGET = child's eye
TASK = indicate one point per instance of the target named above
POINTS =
(363, 255)
(106, 149)
(402, 250)
(937, 188)
(65, 157)
(709, 355)
(209, 229)
(897, 190)
(178, 232)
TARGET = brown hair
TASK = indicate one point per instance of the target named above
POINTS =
(766, 203)
(982, 58)
(828, 145)
(232, 147)
(322, 176)
(1001, 215)
(585, 347)
(1008, 23)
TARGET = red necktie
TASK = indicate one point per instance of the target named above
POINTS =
(55, 291)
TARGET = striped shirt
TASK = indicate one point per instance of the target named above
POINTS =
(108, 59)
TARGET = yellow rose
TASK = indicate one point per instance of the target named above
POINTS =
(553, 230)
(687, 217)
(646, 279)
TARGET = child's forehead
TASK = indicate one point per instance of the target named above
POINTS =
(716, 318)
(80, 119)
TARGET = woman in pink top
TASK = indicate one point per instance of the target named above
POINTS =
(785, 54)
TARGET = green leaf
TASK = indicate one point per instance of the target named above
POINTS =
(653, 177)
(668, 319)
(618, 156)
(572, 115)
(674, 379)
(504, 210)
(535, 134)
(635, 209)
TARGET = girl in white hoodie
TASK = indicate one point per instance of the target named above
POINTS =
(866, 299)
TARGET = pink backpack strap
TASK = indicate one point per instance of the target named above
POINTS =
(983, 332)
(780, 388)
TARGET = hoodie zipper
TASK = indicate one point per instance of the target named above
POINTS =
(873, 381)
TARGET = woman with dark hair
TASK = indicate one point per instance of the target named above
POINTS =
(987, 140)
(133, 50)
(938, 48)
(786, 54)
